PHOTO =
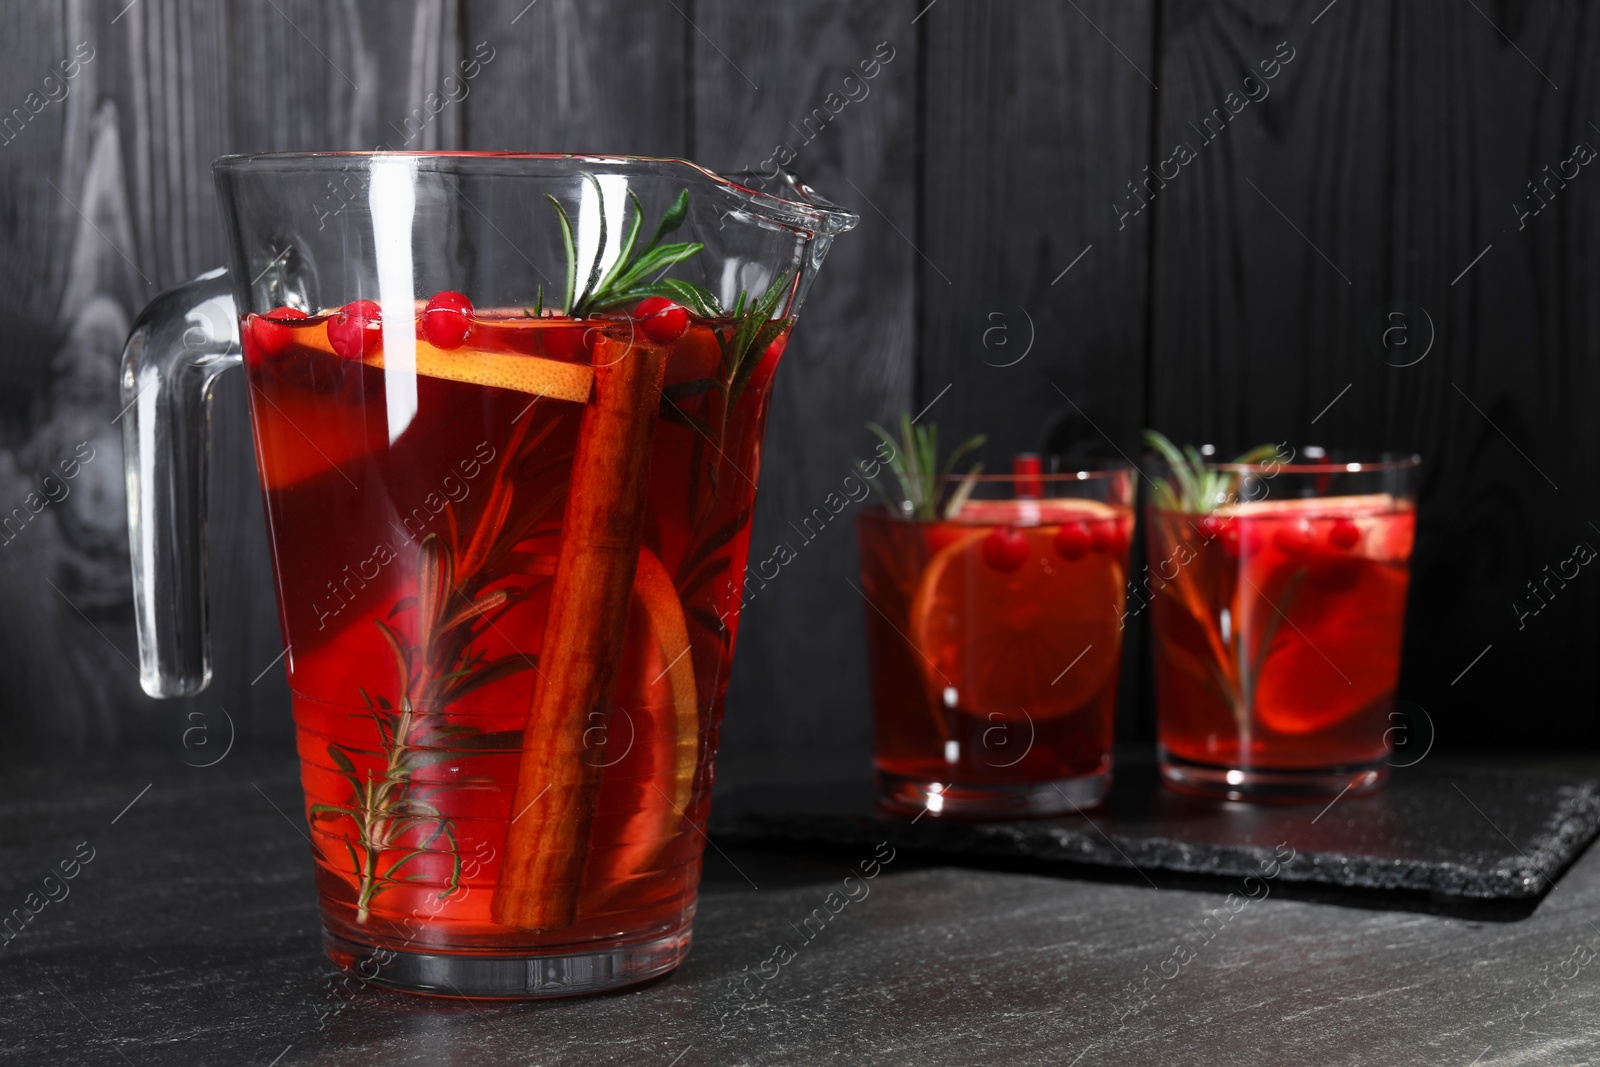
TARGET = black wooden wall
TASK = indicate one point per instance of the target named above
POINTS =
(1017, 268)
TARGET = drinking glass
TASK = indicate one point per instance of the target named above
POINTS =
(507, 413)
(1278, 594)
(994, 635)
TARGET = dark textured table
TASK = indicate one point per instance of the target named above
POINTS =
(189, 935)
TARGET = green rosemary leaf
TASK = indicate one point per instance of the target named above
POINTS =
(333, 811)
(389, 875)
(355, 861)
(768, 333)
(697, 298)
(571, 250)
(713, 541)
(342, 759)
(626, 251)
(1194, 486)
(914, 459)
(964, 449)
(482, 606)
(652, 262)
(711, 570)
(964, 488)
(671, 219)
(493, 672)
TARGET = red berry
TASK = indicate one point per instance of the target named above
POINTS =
(1109, 537)
(662, 320)
(1295, 537)
(269, 334)
(1210, 528)
(356, 329)
(447, 320)
(1074, 540)
(1005, 549)
(1344, 534)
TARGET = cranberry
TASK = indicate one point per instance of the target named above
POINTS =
(1005, 549)
(1074, 540)
(1109, 537)
(447, 320)
(1344, 534)
(1210, 528)
(356, 329)
(662, 320)
(1295, 537)
(269, 334)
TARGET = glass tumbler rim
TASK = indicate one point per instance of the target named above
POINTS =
(1385, 461)
(1088, 472)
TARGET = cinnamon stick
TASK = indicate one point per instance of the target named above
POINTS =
(547, 841)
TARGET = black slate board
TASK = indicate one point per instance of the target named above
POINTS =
(1457, 830)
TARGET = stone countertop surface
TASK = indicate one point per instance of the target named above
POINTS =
(190, 936)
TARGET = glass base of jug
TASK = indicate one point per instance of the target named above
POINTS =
(508, 977)
(1024, 800)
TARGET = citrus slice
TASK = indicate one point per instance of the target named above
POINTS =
(1341, 656)
(526, 374)
(1326, 577)
(657, 719)
(1039, 635)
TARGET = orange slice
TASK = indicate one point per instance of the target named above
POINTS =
(526, 374)
(1042, 638)
(1341, 656)
(657, 718)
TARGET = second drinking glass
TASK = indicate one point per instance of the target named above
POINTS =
(1278, 594)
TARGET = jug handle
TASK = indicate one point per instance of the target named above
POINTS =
(180, 343)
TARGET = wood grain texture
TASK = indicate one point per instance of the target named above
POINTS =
(1503, 407)
(1037, 114)
(107, 199)
(1269, 248)
(798, 697)
(579, 76)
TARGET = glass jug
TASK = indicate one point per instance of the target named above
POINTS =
(507, 413)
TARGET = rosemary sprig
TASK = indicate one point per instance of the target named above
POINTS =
(635, 273)
(1194, 487)
(915, 462)
(438, 670)
(742, 343)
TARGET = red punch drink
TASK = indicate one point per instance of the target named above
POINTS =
(415, 578)
(994, 636)
(1277, 626)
